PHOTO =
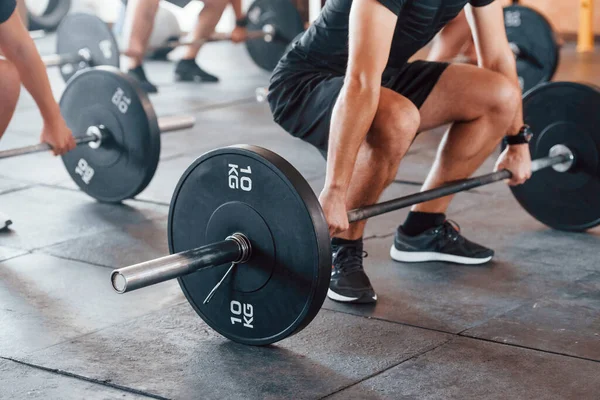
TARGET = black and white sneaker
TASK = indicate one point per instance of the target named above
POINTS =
(442, 243)
(189, 71)
(5, 221)
(349, 282)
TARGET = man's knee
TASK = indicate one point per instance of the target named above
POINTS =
(395, 125)
(505, 97)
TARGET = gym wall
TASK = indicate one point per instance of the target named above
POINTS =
(563, 14)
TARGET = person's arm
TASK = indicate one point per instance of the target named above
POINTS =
(494, 53)
(18, 47)
(237, 9)
(239, 33)
(493, 50)
(371, 31)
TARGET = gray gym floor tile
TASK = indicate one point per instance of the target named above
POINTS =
(117, 247)
(565, 322)
(469, 369)
(502, 223)
(453, 297)
(9, 252)
(172, 353)
(11, 185)
(24, 382)
(43, 216)
(42, 168)
(46, 300)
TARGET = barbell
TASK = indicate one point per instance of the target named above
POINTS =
(84, 40)
(117, 134)
(246, 208)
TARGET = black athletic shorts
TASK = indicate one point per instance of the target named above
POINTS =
(302, 96)
(7, 8)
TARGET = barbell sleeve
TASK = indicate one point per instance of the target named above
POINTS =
(57, 60)
(234, 249)
(175, 123)
(362, 213)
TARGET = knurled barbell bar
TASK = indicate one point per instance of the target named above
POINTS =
(107, 110)
(246, 208)
(84, 40)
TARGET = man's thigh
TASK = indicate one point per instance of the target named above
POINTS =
(463, 93)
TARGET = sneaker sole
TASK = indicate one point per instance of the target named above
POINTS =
(195, 79)
(424, 256)
(344, 299)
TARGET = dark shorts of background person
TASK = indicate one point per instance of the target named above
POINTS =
(302, 96)
(7, 7)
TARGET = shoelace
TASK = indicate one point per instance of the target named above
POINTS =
(450, 230)
(349, 260)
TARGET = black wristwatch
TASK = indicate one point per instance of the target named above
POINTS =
(242, 22)
(523, 137)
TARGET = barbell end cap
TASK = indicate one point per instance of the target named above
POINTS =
(561, 149)
(268, 29)
(95, 132)
(118, 281)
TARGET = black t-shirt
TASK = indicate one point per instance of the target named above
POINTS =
(325, 43)
(7, 7)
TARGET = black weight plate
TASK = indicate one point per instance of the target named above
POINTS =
(85, 31)
(564, 113)
(531, 32)
(284, 16)
(124, 165)
(253, 191)
(54, 13)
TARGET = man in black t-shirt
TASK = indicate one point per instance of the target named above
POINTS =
(348, 88)
(21, 63)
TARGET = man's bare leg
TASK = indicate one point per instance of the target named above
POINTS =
(187, 69)
(481, 105)
(392, 131)
(138, 26)
(10, 89)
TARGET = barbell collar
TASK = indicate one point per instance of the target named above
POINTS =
(234, 249)
(362, 213)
